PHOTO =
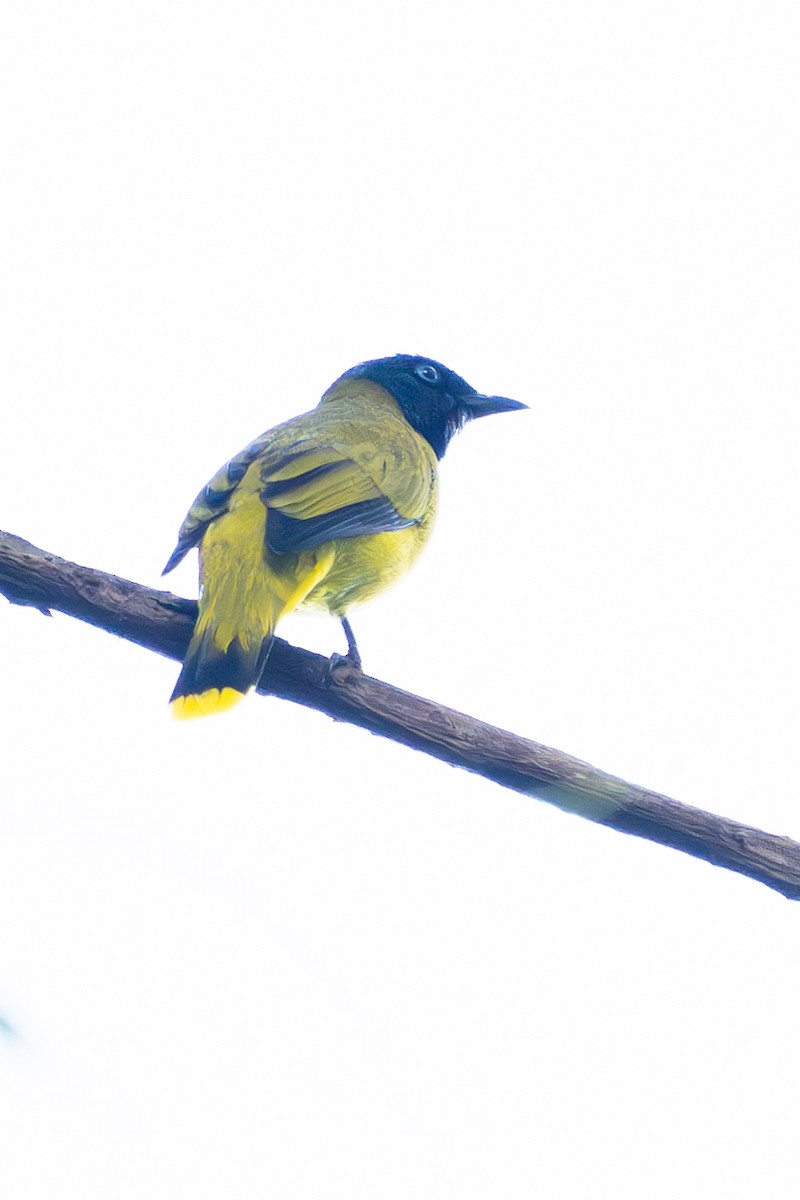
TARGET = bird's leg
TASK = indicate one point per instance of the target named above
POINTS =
(352, 655)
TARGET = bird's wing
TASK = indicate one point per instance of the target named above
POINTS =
(322, 480)
(317, 493)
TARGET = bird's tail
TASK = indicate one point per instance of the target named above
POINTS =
(214, 678)
(239, 608)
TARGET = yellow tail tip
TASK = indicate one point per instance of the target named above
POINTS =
(215, 700)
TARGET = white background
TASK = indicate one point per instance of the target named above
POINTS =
(267, 955)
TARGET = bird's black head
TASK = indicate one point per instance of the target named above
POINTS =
(435, 401)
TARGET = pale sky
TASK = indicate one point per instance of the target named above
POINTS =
(266, 955)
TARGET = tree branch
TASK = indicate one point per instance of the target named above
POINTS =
(162, 622)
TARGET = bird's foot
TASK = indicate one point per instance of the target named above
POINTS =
(340, 660)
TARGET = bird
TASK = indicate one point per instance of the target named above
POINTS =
(323, 511)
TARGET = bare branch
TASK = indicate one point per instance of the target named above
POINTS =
(163, 623)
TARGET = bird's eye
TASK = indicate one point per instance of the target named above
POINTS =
(427, 372)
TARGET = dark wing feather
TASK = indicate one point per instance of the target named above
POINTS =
(212, 502)
(366, 516)
(319, 496)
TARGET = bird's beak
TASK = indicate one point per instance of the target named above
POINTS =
(484, 406)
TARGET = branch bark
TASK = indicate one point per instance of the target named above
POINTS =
(163, 623)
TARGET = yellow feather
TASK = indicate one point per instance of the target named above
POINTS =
(185, 708)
